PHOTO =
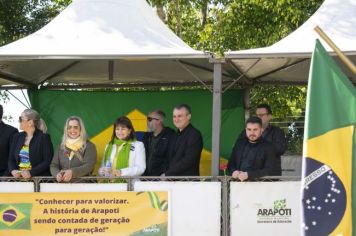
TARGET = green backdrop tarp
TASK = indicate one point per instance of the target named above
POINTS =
(99, 109)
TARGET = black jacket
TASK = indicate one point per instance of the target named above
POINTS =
(6, 134)
(41, 153)
(274, 135)
(185, 151)
(159, 152)
(261, 156)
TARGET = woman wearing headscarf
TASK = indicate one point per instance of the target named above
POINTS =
(123, 155)
(76, 155)
(31, 150)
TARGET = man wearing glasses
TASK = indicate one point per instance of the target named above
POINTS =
(272, 134)
(6, 134)
(187, 144)
(156, 142)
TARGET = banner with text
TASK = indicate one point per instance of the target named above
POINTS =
(120, 213)
(265, 208)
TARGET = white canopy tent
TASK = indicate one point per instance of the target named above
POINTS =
(103, 42)
(288, 60)
(110, 43)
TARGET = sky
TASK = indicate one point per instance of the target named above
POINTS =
(13, 107)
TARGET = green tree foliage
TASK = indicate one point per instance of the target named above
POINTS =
(4, 97)
(285, 104)
(222, 25)
(19, 18)
(209, 25)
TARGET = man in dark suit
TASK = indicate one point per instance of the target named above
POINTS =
(6, 134)
(272, 134)
(156, 143)
(187, 144)
(252, 156)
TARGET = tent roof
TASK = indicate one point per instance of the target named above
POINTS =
(287, 61)
(102, 29)
(103, 42)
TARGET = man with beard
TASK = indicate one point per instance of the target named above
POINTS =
(272, 134)
(252, 156)
(156, 142)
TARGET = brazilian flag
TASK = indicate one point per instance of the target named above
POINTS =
(329, 152)
(15, 216)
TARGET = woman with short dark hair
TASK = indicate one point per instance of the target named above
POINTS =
(123, 155)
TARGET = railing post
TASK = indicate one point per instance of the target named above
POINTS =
(225, 206)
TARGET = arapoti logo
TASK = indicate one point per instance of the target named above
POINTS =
(278, 214)
(273, 212)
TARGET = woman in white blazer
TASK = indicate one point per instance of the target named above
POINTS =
(123, 155)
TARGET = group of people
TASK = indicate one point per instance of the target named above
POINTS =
(162, 152)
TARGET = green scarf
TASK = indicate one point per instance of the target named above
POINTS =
(121, 159)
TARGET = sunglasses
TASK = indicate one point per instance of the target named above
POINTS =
(149, 119)
(21, 119)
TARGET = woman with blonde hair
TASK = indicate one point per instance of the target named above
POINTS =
(76, 155)
(123, 155)
(31, 151)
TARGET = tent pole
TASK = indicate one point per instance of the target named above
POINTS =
(216, 122)
(196, 77)
(111, 70)
(342, 56)
(247, 102)
(27, 106)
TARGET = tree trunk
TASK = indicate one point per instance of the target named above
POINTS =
(161, 13)
(179, 23)
(204, 13)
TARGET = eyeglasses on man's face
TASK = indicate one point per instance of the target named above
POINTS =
(149, 119)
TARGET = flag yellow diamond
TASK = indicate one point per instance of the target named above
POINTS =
(11, 215)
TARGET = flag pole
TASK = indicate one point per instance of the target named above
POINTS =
(343, 58)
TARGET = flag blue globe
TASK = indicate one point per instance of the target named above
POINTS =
(323, 201)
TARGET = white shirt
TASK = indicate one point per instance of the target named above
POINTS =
(137, 159)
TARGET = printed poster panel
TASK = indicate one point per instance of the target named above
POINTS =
(265, 208)
(63, 214)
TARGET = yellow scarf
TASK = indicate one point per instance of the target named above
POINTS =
(74, 145)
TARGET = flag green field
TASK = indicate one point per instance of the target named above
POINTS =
(99, 109)
(329, 150)
(15, 216)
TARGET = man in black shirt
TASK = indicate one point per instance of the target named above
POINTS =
(156, 143)
(6, 134)
(252, 156)
(272, 134)
(187, 144)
